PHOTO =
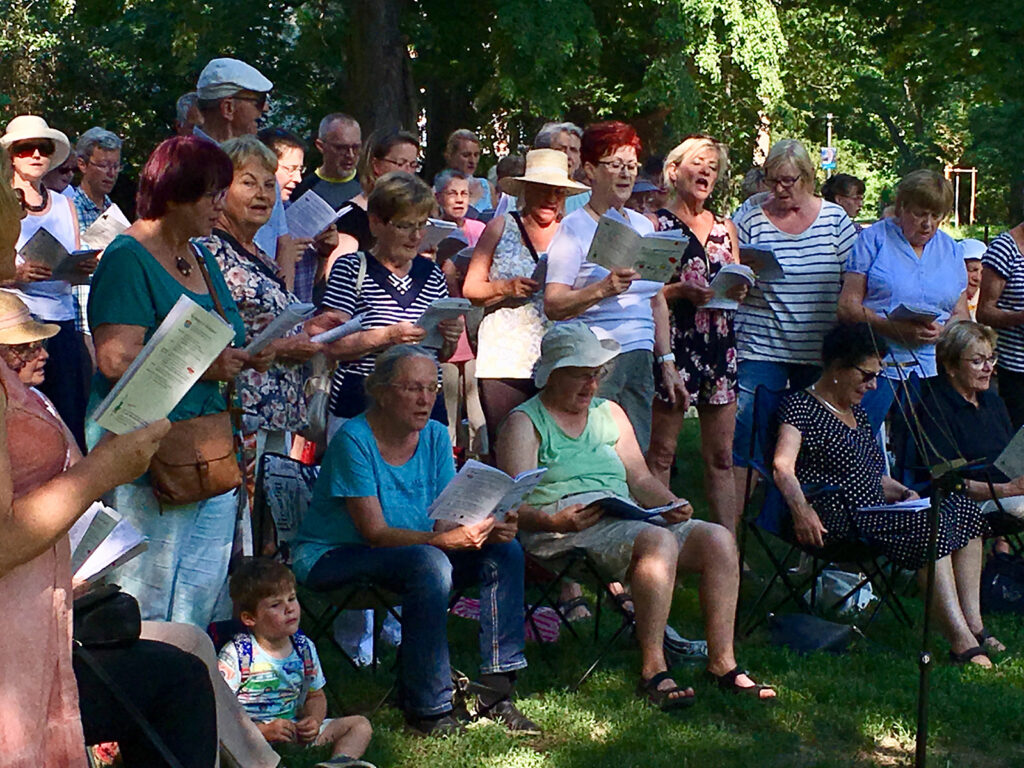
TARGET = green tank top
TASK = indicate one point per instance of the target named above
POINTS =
(576, 464)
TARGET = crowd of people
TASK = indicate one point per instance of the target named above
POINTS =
(566, 365)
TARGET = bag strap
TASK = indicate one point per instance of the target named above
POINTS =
(526, 238)
(361, 275)
(128, 705)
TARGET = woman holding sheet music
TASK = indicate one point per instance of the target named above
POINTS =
(825, 439)
(703, 340)
(273, 402)
(906, 279)
(142, 275)
(389, 288)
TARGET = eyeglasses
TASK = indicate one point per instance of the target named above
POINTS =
(217, 196)
(782, 181)
(413, 166)
(27, 352)
(616, 165)
(978, 363)
(352, 149)
(106, 167)
(869, 376)
(588, 375)
(417, 389)
(299, 169)
(260, 101)
(45, 147)
(407, 227)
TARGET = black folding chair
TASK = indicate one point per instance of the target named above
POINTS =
(771, 520)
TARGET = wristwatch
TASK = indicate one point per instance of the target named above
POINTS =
(668, 357)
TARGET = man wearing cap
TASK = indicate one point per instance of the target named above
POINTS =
(233, 97)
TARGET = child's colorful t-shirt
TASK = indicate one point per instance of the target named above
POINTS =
(273, 688)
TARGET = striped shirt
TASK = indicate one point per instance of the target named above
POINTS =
(786, 320)
(383, 299)
(1006, 260)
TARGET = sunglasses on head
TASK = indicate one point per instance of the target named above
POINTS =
(24, 148)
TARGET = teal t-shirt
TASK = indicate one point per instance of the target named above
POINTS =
(353, 468)
(130, 287)
(576, 464)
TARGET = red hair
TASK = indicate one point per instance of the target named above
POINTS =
(181, 170)
(603, 139)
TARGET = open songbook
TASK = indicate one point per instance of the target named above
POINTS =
(656, 256)
(436, 231)
(762, 260)
(43, 248)
(280, 326)
(438, 311)
(728, 277)
(311, 214)
(478, 491)
(616, 506)
(101, 540)
(101, 233)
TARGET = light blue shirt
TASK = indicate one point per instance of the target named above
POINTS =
(353, 468)
(896, 275)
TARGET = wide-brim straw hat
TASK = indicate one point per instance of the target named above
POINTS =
(17, 326)
(543, 166)
(28, 127)
(572, 345)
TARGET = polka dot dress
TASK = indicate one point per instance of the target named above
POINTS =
(833, 453)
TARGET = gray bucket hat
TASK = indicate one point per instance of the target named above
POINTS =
(572, 345)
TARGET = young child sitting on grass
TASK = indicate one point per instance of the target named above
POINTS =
(275, 672)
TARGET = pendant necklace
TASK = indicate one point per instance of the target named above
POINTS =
(183, 266)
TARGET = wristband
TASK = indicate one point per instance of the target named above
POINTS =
(668, 357)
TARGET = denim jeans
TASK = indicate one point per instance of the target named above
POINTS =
(775, 376)
(424, 577)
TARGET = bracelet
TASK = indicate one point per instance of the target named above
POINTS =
(668, 357)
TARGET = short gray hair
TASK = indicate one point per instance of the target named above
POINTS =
(331, 119)
(549, 131)
(956, 337)
(185, 104)
(445, 177)
(385, 367)
(97, 138)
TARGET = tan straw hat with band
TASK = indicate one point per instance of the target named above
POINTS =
(543, 166)
(572, 345)
(17, 326)
(28, 127)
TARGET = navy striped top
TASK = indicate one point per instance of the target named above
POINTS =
(1005, 258)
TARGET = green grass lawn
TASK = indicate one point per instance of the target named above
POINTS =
(857, 709)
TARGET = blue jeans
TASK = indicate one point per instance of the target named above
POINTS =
(775, 376)
(878, 402)
(424, 576)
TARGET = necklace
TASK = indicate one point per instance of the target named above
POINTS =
(29, 207)
(181, 263)
(821, 399)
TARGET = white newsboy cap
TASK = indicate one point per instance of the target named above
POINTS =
(226, 77)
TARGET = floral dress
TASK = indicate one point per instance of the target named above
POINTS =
(272, 400)
(703, 340)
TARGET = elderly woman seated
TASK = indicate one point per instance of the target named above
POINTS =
(591, 453)
(368, 520)
(825, 437)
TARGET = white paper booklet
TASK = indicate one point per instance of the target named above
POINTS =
(43, 248)
(913, 314)
(728, 277)
(280, 326)
(655, 256)
(311, 214)
(188, 340)
(101, 233)
(436, 231)
(762, 260)
(912, 505)
(1011, 460)
(101, 540)
(438, 311)
(478, 491)
(347, 328)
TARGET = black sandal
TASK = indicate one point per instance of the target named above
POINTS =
(566, 608)
(727, 682)
(623, 602)
(965, 657)
(663, 698)
(983, 636)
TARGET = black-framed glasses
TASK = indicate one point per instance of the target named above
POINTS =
(869, 376)
(782, 181)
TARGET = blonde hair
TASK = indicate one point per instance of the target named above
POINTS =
(792, 152)
(462, 134)
(243, 149)
(956, 337)
(689, 147)
(10, 216)
(399, 193)
(926, 190)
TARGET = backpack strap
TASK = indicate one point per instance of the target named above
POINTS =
(243, 650)
(303, 647)
(361, 275)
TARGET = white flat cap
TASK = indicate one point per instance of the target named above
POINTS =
(226, 77)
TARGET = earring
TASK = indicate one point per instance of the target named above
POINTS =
(835, 380)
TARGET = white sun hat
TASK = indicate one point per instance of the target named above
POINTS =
(572, 345)
(28, 127)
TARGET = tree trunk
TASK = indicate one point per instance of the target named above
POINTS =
(380, 81)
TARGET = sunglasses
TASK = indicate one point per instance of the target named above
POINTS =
(27, 148)
(260, 101)
(869, 376)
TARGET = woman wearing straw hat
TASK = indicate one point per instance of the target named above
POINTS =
(501, 278)
(35, 147)
(22, 340)
(591, 453)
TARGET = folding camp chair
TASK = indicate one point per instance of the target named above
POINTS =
(771, 520)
